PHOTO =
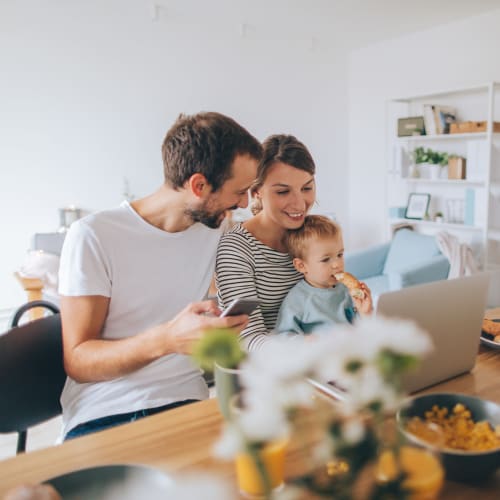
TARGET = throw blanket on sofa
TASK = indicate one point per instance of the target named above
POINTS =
(462, 262)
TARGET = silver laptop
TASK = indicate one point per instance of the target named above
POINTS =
(451, 311)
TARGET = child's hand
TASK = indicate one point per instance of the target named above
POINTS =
(364, 305)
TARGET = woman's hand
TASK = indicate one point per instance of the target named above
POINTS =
(364, 305)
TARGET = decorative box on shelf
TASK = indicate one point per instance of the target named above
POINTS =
(456, 167)
(468, 127)
(413, 125)
(397, 212)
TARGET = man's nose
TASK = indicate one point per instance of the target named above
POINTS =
(243, 201)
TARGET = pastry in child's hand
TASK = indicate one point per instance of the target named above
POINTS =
(352, 284)
(491, 327)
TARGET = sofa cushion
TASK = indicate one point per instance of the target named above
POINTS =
(377, 285)
(409, 249)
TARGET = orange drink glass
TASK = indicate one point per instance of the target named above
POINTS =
(425, 474)
(250, 480)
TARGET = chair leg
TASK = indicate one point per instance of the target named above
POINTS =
(21, 441)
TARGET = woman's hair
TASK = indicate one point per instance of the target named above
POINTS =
(315, 226)
(280, 148)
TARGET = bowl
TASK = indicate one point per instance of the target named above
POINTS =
(112, 482)
(459, 465)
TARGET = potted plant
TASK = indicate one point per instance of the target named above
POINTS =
(433, 161)
(438, 217)
(352, 436)
(219, 352)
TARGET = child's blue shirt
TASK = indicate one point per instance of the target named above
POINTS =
(306, 308)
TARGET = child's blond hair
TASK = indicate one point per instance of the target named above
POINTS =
(315, 226)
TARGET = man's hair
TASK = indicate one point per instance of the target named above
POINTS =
(205, 143)
(315, 226)
(281, 148)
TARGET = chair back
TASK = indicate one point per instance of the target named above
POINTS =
(32, 372)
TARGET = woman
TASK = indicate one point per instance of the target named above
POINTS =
(251, 258)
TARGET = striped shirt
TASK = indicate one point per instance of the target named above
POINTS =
(245, 267)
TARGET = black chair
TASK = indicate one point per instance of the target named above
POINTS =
(31, 372)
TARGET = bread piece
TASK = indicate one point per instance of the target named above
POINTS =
(491, 327)
(352, 284)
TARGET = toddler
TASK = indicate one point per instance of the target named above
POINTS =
(319, 300)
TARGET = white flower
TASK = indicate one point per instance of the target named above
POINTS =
(203, 486)
(397, 335)
(322, 452)
(230, 443)
(263, 423)
(274, 378)
(281, 358)
(368, 388)
(353, 430)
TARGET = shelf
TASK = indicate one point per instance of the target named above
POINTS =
(445, 137)
(479, 195)
(450, 182)
(442, 225)
(494, 234)
(463, 90)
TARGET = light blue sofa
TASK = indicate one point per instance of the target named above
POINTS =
(409, 259)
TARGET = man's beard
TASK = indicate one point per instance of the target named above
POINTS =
(209, 219)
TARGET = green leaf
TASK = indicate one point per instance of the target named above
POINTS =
(392, 364)
(353, 366)
(219, 346)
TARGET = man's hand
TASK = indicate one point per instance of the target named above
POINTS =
(194, 321)
(90, 358)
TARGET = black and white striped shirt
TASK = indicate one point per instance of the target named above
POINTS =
(247, 268)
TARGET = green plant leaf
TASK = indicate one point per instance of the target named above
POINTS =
(219, 346)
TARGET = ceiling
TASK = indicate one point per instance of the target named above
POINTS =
(377, 20)
(349, 24)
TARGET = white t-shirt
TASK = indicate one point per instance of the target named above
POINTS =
(150, 275)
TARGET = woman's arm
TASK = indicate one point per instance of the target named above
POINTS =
(235, 276)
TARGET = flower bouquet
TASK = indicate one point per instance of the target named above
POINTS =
(353, 455)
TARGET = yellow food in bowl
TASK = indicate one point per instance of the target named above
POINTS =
(454, 429)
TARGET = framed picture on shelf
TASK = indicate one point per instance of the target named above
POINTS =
(418, 203)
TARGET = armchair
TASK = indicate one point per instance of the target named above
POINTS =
(409, 259)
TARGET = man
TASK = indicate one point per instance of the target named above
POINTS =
(127, 272)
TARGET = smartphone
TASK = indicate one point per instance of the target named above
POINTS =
(240, 306)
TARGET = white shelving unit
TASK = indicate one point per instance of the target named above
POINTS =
(476, 199)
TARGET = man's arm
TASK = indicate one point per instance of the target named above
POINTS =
(89, 358)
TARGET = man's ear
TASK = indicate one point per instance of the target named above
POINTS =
(198, 185)
(254, 193)
(300, 265)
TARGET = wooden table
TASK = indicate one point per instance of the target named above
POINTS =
(181, 440)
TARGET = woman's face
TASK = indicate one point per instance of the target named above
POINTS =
(287, 195)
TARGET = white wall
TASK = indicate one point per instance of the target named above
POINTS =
(451, 56)
(88, 90)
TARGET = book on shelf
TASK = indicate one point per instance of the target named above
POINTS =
(477, 160)
(429, 121)
(447, 115)
(437, 119)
